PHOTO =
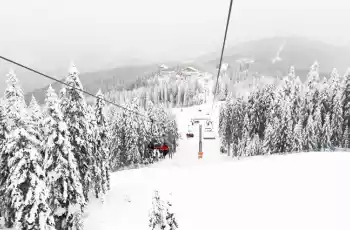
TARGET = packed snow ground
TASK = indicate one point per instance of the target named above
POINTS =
(297, 191)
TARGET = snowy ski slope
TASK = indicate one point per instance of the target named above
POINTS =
(296, 192)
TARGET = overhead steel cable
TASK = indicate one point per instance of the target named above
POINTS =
(81, 90)
(222, 51)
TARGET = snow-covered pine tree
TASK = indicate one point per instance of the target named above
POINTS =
(161, 217)
(297, 145)
(337, 121)
(291, 74)
(226, 125)
(75, 114)
(268, 144)
(35, 111)
(3, 136)
(313, 75)
(170, 217)
(157, 214)
(327, 133)
(325, 101)
(95, 183)
(346, 99)
(312, 93)
(116, 141)
(62, 98)
(102, 140)
(296, 101)
(24, 182)
(36, 117)
(14, 101)
(284, 137)
(125, 137)
(310, 143)
(66, 198)
(335, 86)
(14, 111)
(318, 127)
(244, 142)
(172, 131)
(133, 124)
(255, 146)
(345, 139)
(25, 185)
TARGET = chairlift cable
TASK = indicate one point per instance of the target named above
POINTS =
(81, 90)
(222, 51)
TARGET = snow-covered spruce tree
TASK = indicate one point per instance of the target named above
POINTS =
(310, 143)
(102, 141)
(157, 215)
(117, 145)
(35, 111)
(3, 136)
(337, 121)
(24, 185)
(170, 217)
(346, 100)
(62, 98)
(75, 114)
(318, 128)
(271, 136)
(297, 145)
(95, 154)
(14, 101)
(66, 198)
(285, 135)
(125, 152)
(267, 144)
(255, 147)
(245, 140)
(171, 134)
(253, 112)
(13, 109)
(345, 139)
(226, 126)
(325, 101)
(161, 216)
(334, 89)
(327, 133)
(313, 75)
(36, 117)
(238, 122)
(133, 124)
(312, 94)
(296, 101)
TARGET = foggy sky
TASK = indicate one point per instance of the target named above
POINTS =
(48, 34)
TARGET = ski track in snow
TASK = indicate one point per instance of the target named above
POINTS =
(295, 191)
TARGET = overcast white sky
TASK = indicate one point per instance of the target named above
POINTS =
(95, 34)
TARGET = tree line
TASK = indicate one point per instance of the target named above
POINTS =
(291, 117)
(171, 90)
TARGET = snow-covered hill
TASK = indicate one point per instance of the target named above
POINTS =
(296, 191)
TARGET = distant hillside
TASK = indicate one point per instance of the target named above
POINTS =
(104, 80)
(117, 78)
(300, 52)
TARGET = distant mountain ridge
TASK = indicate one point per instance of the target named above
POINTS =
(272, 57)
